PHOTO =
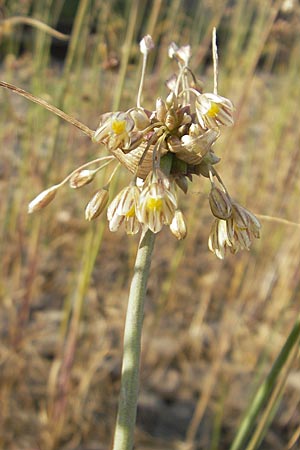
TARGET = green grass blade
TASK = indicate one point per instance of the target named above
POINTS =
(265, 390)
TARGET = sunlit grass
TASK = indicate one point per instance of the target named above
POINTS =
(212, 329)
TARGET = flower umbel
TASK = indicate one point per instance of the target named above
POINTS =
(163, 148)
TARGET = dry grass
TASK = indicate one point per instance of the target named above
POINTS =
(212, 329)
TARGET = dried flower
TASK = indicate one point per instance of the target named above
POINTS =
(244, 219)
(235, 233)
(219, 238)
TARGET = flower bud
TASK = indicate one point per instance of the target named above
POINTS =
(171, 82)
(178, 225)
(97, 204)
(161, 109)
(220, 203)
(195, 130)
(171, 100)
(182, 54)
(141, 120)
(172, 50)
(82, 177)
(43, 199)
(171, 119)
(146, 44)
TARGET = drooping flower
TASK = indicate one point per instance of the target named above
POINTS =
(157, 202)
(213, 110)
(220, 237)
(123, 209)
(236, 233)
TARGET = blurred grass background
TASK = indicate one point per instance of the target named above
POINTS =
(212, 328)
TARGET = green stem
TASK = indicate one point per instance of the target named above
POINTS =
(266, 388)
(124, 432)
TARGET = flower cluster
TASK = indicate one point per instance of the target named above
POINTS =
(163, 149)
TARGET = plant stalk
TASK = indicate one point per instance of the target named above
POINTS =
(125, 425)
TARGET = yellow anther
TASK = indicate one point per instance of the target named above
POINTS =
(118, 126)
(213, 110)
(131, 212)
(154, 204)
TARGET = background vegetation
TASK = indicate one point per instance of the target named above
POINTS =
(212, 328)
